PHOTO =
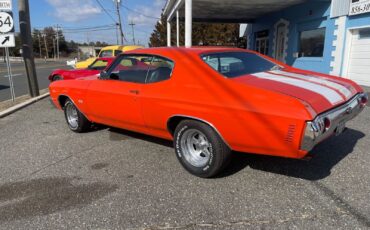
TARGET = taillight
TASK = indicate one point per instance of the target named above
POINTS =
(327, 123)
(364, 99)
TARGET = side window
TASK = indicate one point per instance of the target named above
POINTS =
(160, 69)
(130, 69)
(106, 53)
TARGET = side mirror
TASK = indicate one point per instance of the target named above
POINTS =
(104, 75)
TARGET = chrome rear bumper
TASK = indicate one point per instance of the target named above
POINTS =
(317, 130)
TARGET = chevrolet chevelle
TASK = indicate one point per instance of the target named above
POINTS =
(211, 101)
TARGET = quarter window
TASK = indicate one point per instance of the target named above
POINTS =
(160, 70)
(312, 43)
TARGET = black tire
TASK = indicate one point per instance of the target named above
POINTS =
(210, 164)
(81, 123)
(57, 78)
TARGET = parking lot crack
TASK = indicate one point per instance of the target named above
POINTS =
(342, 204)
(56, 162)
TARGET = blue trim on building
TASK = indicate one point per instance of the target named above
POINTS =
(306, 16)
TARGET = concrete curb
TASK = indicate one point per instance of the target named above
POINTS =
(22, 105)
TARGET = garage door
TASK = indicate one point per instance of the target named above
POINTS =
(359, 61)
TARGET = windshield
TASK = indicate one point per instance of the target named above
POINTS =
(235, 64)
(98, 65)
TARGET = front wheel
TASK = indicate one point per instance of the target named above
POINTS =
(76, 121)
(200, 149)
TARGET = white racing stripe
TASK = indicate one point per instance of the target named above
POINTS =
(331, 95)
(346, 92)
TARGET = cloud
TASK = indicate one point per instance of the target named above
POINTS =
(154, 11)
(74, 10)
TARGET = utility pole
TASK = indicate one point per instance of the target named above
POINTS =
(132, 24)
(54, 49)
(46, 47)
(118, 4)
(27, 51)
(58, 41)
(39, 35)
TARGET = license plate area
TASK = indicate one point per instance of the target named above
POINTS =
(340, 128)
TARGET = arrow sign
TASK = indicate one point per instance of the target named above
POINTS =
(7, 40)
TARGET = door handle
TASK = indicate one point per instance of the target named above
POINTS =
(134, 91)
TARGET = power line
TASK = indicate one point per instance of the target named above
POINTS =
(132, 24)
(89, 28)
(129, 9)
(85, 31)
(106, 11)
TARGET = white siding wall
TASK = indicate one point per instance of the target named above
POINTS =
(339, 8)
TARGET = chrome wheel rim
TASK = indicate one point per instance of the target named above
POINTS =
(195, 147)
(72, 116)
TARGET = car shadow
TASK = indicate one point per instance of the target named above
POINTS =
(116, 134)
(315, 167)
(43, 196)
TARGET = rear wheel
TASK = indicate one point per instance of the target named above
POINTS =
(200, 149)
(57, 78)
(76, 121)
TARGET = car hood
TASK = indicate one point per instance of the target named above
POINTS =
(320, 92)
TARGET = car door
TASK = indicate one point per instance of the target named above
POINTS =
(157, 96)
(115, 100)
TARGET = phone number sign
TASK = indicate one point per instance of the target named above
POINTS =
(359, 7)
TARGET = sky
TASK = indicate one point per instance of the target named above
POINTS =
(74, 16)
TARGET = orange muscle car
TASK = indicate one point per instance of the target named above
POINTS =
(211, 101)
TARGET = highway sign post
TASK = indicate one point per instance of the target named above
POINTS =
(7, 37)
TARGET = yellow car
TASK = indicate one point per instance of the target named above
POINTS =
(108, 51)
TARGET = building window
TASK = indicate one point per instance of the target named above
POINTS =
(364, 33)
(311, 43)
(262, 42)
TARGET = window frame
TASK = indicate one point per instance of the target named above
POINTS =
(300, 42)
(119, 58)
(225, 52)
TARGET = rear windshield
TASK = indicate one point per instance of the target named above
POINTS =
(235, 64)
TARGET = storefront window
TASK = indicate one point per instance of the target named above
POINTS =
(262, 42)
(312, 43)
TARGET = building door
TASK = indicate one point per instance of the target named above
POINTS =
(262, 42)
(280, 42)
(359, 58)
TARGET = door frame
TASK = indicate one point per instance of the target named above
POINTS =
(285, 24)
(347, 50)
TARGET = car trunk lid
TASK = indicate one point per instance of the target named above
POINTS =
(321, 93)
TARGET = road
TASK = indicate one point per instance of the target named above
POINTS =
(20, 78)
(52, 178)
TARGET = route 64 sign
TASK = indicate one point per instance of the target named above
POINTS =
(6, 22)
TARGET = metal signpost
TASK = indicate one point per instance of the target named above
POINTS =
(7, 36)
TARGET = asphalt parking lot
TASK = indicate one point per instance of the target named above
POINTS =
(43, 69)
(51, 178)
